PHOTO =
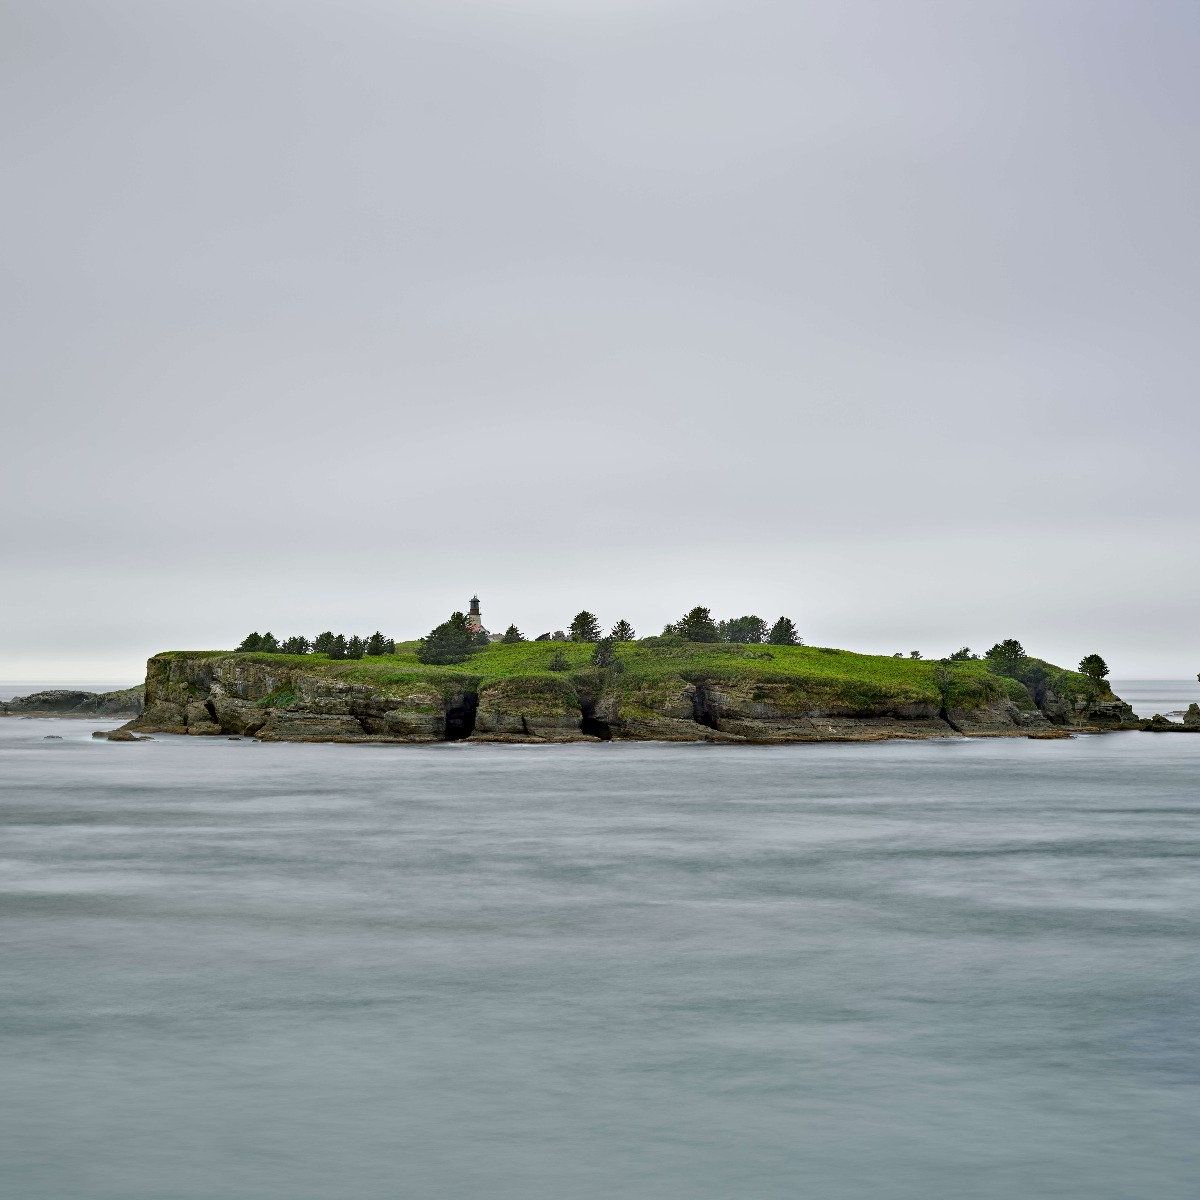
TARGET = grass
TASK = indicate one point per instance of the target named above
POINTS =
(820, 673)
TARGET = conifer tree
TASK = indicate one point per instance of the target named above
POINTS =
(622, 631)
(251, 642)
(450, 642)
(584, 627)
(605, 654)
(512, 634)
(746, 631)
(698, 626)
(1007, 657)
(558, 662)
(322, 642)
(337, 648)
(389, 645)
(1094, 667)
(269, 643)
(355, 647)
(375, 644)
(783, 633)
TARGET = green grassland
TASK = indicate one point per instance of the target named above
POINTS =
(643, 666)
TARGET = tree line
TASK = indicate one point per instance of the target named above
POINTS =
(452, 641)
(334, 645)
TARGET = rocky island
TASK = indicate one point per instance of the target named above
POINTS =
(664, 688)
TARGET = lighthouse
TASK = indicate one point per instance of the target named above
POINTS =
(474, 620)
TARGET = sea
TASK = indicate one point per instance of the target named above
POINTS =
(891, 971)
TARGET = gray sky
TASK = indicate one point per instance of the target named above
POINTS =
(325, 315)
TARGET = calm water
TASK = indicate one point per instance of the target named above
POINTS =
(912, 970)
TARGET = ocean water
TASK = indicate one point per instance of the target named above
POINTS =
(895, 971)
(1150, 696)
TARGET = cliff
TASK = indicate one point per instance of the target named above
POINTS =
(658, 690)
(64, 702)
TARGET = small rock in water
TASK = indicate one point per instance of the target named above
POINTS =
(52, 737)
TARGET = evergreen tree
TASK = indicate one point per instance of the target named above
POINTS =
(915, 654)
(450, 642)
(376, 644)
(542, 637)
(389, 645)
(322, 642)
(269, 643)
(251, 642)
(698, 626)
(295, 645)
(783, 633)
(1094, 667)
(622, 631)
(558, 661)
(337, 648)
(584, 627)
(1007, 657)
(558, 636)
(605, 655)
(746, 631)
(355, 647)
(512, 634)
(962, 655)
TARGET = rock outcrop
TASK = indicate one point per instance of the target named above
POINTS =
(211, 694)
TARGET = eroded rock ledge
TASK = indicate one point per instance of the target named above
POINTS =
(230, 694)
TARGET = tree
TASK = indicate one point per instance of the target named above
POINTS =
(783, 633)
(1007, 657)
(269, 643)
(295, 645)
(622, 631)
(1094, 667)
(376, 645)
(558, 636)
(915, 654)
(355, 647)
(744, 631)
(961, 655)
(389, 645)
(337, 648)
(450, 642)
(584, 627)
(512, 634)
(698, 626)
(559, 662)
(605, 653)
(322, 642)
(251, 642)
(542, 637)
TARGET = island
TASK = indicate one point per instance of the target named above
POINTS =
(655, 689)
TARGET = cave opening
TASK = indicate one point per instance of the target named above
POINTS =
(702, 713)
(460, 716)
(592, 725)
(211, 709)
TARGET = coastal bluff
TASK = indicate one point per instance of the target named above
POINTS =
(656, 690)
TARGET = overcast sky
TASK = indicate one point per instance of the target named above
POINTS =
(325, 315)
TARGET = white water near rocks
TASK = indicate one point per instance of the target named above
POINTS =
(896, 971)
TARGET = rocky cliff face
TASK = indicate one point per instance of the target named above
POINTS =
(63, 702)
(209, 694)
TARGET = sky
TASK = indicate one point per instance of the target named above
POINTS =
(327, 315)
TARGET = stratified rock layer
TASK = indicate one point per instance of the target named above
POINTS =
(230, 694)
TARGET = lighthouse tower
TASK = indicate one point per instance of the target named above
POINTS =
(474, 620)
